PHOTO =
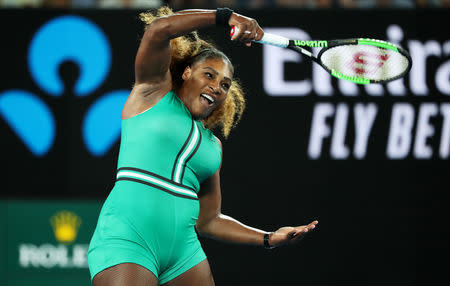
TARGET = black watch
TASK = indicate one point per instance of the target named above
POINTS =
(266, 241)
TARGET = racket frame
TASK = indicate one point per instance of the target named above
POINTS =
(298, 46)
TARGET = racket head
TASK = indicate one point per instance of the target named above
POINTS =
(365, 61)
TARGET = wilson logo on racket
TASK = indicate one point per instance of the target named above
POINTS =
(367, 63)
(311, 44)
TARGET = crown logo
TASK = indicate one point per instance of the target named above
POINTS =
(65, 226)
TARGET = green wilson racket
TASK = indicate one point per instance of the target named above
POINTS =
(361, 61)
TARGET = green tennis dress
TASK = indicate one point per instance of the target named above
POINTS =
(149, 217)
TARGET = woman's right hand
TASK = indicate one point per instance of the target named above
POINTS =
(249, 29)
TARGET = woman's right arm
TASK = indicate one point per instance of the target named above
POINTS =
(153, 56)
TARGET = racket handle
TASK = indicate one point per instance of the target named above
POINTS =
(268, 39)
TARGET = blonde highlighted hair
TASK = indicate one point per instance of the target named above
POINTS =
(184, 50)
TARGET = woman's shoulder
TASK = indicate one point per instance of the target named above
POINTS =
(142, 98)
(218, 141)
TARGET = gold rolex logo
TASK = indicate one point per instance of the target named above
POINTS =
(65, 225)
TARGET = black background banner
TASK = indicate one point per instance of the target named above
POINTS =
(383, 220)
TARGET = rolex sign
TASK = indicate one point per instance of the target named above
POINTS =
(46, 242)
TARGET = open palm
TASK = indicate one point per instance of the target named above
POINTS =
(290, 234)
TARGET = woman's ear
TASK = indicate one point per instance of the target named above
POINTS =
(187, 73)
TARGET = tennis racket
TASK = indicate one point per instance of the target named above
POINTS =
(361, 61)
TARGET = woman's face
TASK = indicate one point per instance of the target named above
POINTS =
(205, 87)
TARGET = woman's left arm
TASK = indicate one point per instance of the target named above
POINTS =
(211, 222)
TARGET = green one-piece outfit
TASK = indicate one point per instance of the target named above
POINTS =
(149, 217)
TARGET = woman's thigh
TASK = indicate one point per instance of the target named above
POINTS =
(125, 274)
(199, 275)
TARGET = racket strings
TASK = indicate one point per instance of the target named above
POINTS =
(364, 61)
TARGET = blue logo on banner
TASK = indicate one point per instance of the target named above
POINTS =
(66, 38)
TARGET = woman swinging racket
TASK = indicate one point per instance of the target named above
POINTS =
(168, 177)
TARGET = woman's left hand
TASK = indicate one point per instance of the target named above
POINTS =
(289, 234)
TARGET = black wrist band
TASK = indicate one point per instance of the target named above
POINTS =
(222, 16)
(266, 241)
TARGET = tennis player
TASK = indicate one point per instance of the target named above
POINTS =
(168, 177)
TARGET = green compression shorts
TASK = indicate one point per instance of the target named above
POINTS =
(143, 224)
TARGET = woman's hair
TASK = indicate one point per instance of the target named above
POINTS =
(190, 48)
